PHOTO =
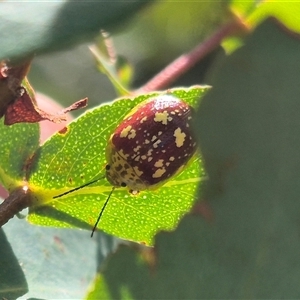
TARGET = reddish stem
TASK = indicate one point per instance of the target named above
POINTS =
(14, 203)
(183, 63)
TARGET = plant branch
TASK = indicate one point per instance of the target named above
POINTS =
(18, 199)
(183, 63)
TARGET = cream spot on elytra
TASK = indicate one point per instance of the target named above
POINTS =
(125, 131)
(159, 172)
(162, 117)
(159, 163)
(132, 134)
(179, 137)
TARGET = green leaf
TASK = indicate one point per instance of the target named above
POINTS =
(29, 27)
(12, 280)
(243, 8)
(18, 144)
(252, 13)
(76, 156)
(286, 12)
(57, 263)
(249, 126)
(255, 12)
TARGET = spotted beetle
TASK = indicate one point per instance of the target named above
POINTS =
(153, 143)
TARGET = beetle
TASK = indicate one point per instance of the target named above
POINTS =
(153, 143)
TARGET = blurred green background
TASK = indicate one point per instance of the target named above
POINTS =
(150, 40)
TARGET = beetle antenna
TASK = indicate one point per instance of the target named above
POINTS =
(78, 188)
(101, 212)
